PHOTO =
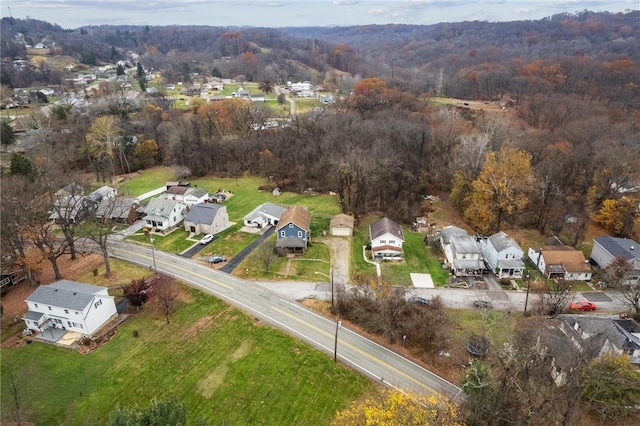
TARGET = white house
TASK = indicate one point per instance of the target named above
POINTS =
(606, 249)
(264, 215)
(462, 251)
(164, 214)
(503, 255)
(69, 305)
(206, 218)
(195, 196)
(386, 239)
(560, 262)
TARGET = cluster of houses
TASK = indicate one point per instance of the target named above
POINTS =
(467, 255)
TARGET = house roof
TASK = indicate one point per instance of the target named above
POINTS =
(342, 221)
(449, 231)
(65, 294)
(118, 207)
(297, 215)
(67, 206)
(104, 191)
(160, 207)
(177, 190)
(203, 213)
(571, 259)
(465, 244)
(614, 328)
(269, 209)
(198, 192)
(385, 226)
(620, 247)
(501, 241)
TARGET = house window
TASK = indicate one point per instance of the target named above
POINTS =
(69, 323)
(383, 241)
(49, 307)
(282, 234)
(299, 234)
(98, 303)
(291, 225)
(77, 313)
(66, 311)
(392, 241)
(35, 305)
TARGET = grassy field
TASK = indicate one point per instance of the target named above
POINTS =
(147, 180)
(214, 358)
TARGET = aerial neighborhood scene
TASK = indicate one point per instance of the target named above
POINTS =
(320, 213)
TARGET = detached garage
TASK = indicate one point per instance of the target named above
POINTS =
(341, 225)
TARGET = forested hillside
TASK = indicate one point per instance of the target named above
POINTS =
(567, 87)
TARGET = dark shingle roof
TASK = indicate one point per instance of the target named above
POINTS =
(203, 213)
(620, 247)
(384, 226)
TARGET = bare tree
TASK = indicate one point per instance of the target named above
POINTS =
(166, 291)
(616, 275)
(266, 253)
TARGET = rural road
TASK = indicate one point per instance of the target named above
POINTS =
(354, 350)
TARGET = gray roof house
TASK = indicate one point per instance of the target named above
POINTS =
(206, 218)
(119, 209)
(612, 334)
(164, 214)
(386, 239)
(68, 306)
(264, 215)
(463, 253)
(606, 249)
(503, 255)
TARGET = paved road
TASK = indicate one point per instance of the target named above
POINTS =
(354, 350)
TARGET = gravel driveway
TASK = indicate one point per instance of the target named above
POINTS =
(340, 250)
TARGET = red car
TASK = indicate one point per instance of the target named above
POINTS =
(583, 306)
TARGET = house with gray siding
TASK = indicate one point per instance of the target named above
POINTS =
(606, 249)
(206, 218)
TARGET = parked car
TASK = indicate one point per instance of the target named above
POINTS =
(583, 306)
(207, 239)
(420, 300)
(482, 304)
(217, 259)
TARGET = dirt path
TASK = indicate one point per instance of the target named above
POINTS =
(340, 250)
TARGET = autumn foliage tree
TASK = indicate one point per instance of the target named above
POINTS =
(619, 216)
(396, 408)
(502, 189)
(612, 385)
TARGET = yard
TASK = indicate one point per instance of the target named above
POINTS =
(418, 258)
(214, 358)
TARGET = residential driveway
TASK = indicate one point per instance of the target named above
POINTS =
(340, 251)
(196, 248)
(233, 263)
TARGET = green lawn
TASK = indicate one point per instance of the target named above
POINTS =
(299, 268)
(147, 180)
(174, 242)
(418, 258)
(214, 358)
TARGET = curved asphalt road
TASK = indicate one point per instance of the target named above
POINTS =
(354, 350)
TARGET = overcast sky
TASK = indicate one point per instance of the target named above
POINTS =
(298, 13)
